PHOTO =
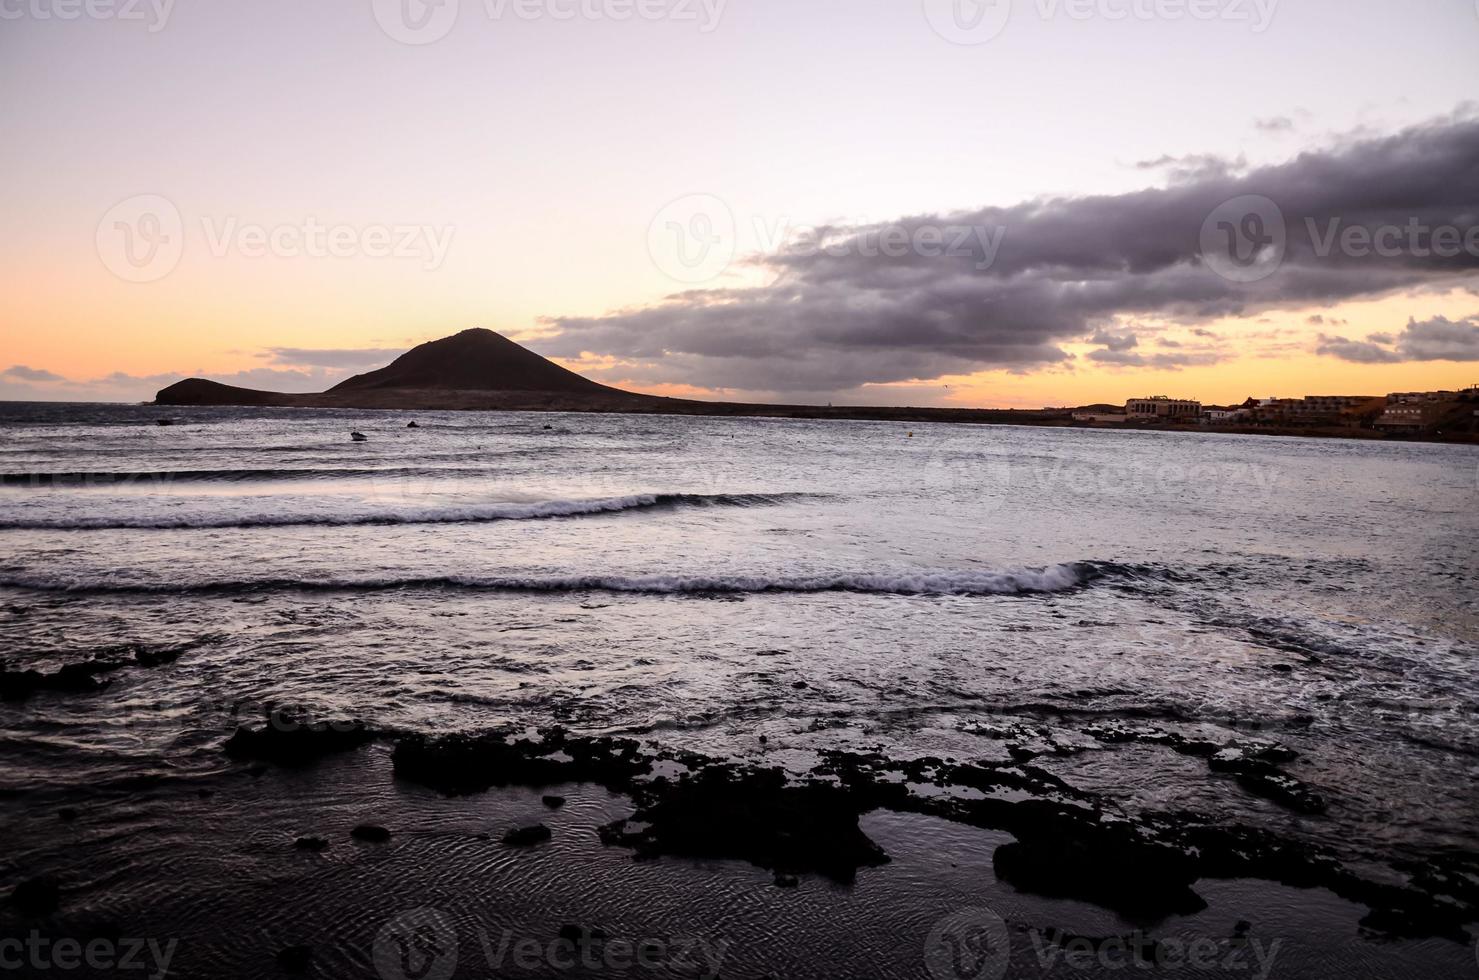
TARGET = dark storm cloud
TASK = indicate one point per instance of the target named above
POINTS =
(1355, 351)
(1115, 341)
(1438, 339)
(845, 315)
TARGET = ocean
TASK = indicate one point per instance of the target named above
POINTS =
(1272, 634)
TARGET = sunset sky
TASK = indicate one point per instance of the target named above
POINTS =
(280, 194)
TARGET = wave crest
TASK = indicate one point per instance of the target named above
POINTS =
(455, 514)
(1053, 578)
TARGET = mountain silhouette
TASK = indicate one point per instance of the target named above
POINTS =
(479, 370)
(473, 360)
(475, 369)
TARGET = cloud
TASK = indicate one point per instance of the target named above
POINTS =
(1274, 124)
(1163, 362)
(20, 372)
(1438, 339)
(354, 357)
(846, 315)
(1194, 167)
(20, 383)
(1355, 351)
(1115, 341)
(836, 318)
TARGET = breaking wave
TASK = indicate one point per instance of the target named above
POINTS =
(451, 514)
(1053, 578)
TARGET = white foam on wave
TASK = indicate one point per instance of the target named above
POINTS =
(456, 514)
(445, 514)
(1053, 578)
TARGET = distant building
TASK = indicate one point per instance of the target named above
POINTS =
(1099, 416)
(1352, 410)
(1332, 405)
(1275, 411)
(1420, 411)
(1162, 408)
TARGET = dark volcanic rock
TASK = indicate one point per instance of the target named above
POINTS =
(725, 811)
(1069, 842)
(1110, 867)
(552, 801)
(36, 897)
(291, 742)
(1255, 766)
(17, 685)
(313, 844)
(84, 676)
(527, 836)
(295, 959)
(370, 833)
(462, 764)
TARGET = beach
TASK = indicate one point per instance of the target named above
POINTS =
(816, 698)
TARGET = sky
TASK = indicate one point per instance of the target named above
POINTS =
(948, 202)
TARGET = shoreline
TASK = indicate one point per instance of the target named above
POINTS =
(312, 884)
(683, 408)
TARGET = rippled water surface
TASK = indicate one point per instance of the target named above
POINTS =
(704, 582)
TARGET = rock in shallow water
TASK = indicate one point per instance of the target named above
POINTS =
(527, 836)
(295, 959)
(293, 742)
(36, 898)
(370, 833)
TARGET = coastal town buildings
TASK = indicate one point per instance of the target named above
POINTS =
(1400, 413)
(1162, 408)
